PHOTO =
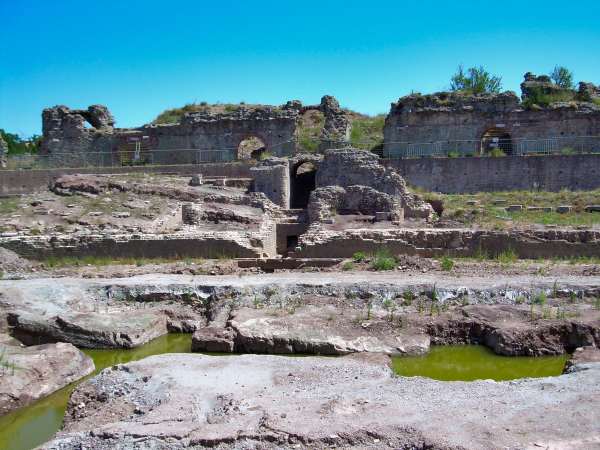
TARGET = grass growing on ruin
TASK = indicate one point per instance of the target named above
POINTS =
(98, 261)
(9, 205)
(367, 132)
(488, 209)
(447, 264)
(383, 260)
(6, 364)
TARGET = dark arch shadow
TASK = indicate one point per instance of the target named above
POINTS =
(303, 182)
(496, 138)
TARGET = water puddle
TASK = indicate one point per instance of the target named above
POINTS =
(33, 425)
(475, 362)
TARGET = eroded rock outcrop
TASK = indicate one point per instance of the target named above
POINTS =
(250, 401)
(30, 373)
(324, 330)
(512, 331)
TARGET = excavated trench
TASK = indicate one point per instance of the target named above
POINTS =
(351, 314)
(33, 425)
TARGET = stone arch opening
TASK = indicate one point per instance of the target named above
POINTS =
(303, 182)
(251, 147)
(496, 138)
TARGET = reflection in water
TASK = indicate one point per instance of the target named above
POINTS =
(33, 425)
(474, 362)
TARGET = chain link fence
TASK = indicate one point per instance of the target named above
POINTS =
(567, 145)
(571, 145)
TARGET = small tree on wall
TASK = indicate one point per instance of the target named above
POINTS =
(563, 77)
(476, 80)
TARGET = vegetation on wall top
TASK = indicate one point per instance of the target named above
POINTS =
(476, 80)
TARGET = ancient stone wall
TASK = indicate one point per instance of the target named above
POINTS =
(88, 137)
(3, 152)
(432, 243)
(66, 136)
(337, 127)
(351, 167)
(445, 122)
(471, 175)
(271, 177)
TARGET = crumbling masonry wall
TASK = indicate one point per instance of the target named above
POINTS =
(350, 167)
(77, 137)
(66, 136)
(445, 122)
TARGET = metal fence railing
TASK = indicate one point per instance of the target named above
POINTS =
(568, 145)
(562, 145)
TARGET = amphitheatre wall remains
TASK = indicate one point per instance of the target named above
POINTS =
(89, 137)
(436, 124)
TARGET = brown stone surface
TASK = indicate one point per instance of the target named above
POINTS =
(30, 373)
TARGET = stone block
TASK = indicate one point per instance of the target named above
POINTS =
(514, 208)
(196, 180)
(382, 216)
(540, 208)
(212, 339)
(191, 213)
(564, 209)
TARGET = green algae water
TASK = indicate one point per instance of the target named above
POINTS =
(475, 362)
(33, 425)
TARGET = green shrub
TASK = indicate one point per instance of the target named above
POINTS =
(447, 264)
(475, 80)
(497, 153)
(348, 265)
(541, 298)
(538, 96)
(359, 256)
(383, 260)
(408, 297)
(562, 77)
(507, 257)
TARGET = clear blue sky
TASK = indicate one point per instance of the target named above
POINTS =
(140, 57)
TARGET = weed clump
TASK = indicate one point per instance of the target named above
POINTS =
(447, 264)
(507, 257)
(383, 260)
(359, 257)
(348, 265)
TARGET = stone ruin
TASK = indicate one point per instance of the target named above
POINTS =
(88, 137)
(436, 124)
(343, 180)
(3, 152)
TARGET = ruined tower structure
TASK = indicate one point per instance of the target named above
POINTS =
(545, 118)
(89, 137)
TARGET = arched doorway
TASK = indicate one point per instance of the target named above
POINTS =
(496, 138)
(251, 147)
(303, 182)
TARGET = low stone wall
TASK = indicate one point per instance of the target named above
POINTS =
(439, 242)
(470, 175)
(14, 182)
(231, 245)
(447, 175)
